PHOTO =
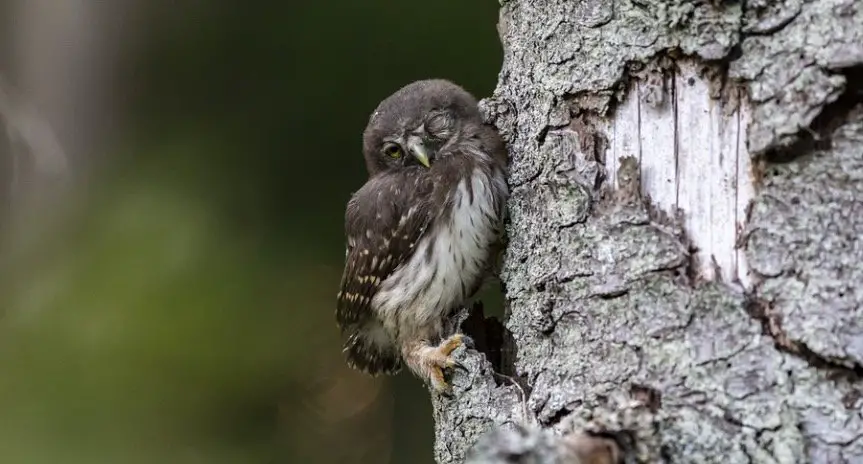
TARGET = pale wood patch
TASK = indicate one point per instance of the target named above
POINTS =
(693, 157)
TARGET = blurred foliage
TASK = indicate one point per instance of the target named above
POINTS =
(183, 313)
(141, 325)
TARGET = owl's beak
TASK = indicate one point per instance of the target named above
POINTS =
(418, 150)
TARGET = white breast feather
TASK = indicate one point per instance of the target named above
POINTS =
(459, 255)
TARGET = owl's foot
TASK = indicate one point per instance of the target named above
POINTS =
(429, 362)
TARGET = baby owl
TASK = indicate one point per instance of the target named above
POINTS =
(422, 231)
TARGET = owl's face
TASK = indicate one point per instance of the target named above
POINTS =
(410, 129)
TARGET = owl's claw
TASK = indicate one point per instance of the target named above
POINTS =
(458, 365)
(439, 358)
(449, 345)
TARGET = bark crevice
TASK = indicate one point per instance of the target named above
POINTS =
(819, 134)
(771, 323)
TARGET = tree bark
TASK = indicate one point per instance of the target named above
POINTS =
(684, 257)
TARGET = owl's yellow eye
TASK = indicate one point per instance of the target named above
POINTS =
(392, 150)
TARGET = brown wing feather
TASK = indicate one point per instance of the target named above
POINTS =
(382, 224)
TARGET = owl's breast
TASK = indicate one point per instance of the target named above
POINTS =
(449, 261)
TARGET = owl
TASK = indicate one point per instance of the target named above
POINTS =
(422, 232)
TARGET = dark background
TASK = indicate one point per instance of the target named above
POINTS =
(183, 311)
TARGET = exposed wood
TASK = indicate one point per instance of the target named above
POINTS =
(693, 164)
(658, 154)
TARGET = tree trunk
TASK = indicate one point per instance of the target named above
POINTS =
(62, 113)
(684, 258)
(61, 69)
(68, 60)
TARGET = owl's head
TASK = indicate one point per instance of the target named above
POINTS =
(411, 128)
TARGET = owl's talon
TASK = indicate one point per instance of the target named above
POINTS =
(459, 365)
(436, 360)
(450, 344)
(437, 380)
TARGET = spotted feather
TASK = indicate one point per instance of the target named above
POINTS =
(383, 225)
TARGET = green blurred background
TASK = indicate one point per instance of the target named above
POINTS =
(182, 309)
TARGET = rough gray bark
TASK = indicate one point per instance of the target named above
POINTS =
(617, 333)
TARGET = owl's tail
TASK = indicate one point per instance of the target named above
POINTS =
(370, 350)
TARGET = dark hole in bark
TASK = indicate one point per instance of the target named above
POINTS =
(819, 134)
(558, 416)
(492, 339)
(648, 396)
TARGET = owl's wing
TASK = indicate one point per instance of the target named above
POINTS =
(382, 224)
